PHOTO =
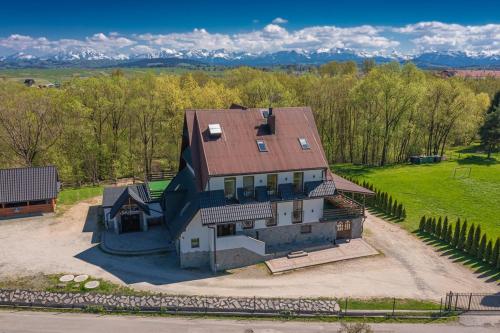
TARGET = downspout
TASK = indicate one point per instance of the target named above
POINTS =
(214, 228)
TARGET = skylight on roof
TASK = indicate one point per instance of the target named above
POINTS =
(262, 145)
(214, 129)
(265, 113)
(304, 144)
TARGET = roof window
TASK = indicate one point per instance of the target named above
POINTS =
(304, 144)
(215, 130)
(262, 145)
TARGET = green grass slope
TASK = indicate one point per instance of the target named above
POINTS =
(433, 190)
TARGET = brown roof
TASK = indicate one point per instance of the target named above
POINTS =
(344, 185)
(236, 151)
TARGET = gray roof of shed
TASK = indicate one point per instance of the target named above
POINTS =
(28, 184)
(115, 197)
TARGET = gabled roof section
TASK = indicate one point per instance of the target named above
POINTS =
(344, 185)
(28, 184)
(236, 151)
(116, 197)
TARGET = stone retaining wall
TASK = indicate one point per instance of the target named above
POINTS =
(168, 303)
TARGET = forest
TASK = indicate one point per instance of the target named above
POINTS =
(111, 126)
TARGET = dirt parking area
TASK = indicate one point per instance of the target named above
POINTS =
(69, 244)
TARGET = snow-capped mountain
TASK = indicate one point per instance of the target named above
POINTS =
(223, 57)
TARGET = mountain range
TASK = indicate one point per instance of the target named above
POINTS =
(200, 57)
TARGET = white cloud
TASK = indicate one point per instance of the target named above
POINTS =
(279, 20)
(409, 39)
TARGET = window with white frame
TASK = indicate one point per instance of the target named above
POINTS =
(195, 243)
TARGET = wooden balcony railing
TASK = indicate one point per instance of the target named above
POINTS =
(334, 214)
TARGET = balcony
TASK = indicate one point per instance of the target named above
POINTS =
(340, 207)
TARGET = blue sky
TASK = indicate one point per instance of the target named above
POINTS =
(128, 26)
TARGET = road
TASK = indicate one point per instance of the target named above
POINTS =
(40, 322)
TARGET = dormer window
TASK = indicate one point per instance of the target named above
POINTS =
(261, 144)
(304, 144)
(265, 113)
(215, 130)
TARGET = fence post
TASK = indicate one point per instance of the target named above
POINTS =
(470, 299)
(440, 306)
(393, 305)
(456, 301)
(298, 312)
(254, 305)
(345, 309)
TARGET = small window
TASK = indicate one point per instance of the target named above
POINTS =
(305, 229)
(195, 243)
(247, 224)
(304, 144)
(262, 145)
(214, 130)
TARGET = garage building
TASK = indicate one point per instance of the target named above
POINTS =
(30, 190)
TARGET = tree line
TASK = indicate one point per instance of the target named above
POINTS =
(470, 240)
(118, 125)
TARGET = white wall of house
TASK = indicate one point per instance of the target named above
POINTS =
(313, 210)
(217, 183)
(195, 230)
(284, 210)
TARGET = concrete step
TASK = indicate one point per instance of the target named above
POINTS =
(297, 254)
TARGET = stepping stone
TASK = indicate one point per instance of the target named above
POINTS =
(67, 278)
(297, 254)
(91, 284)
(81, 278)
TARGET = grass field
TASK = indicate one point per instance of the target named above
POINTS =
(73, 195)
(433, 190)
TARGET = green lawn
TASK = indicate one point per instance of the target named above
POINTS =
(432, 189)
(73, 195)
(159, 185)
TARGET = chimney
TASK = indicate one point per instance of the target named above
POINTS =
(271, 122)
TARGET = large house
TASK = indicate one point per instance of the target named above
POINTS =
(254, 184)
(28, 190)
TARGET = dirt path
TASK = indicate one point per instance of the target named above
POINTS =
(408, 268)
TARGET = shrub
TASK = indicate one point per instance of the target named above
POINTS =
(439, 228)
(481, 250)
(488, 252)
(456, 234)
(421, 225)
(477, 239)
(470, 239)
(445, 229)
(400, 211)
(404, 213)
(388, 209)
(496, 252)
(428, 225)
(394, 211)
(449, 234)
(462, 237)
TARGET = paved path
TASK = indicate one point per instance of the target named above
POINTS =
(356, 248)
(27, 322)
(154, 241)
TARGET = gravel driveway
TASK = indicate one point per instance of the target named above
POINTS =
(408, 268)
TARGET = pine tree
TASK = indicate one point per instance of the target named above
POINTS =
(496, 252)
(463, 236)
(421, 226)
(449, 234)
(428, 225)
(488, 252)
(481, 250)
(456, 234)
(439, 228)
(400, 211)
(394, 211)
(470, 239)
(475, 243)
(445, 228)
(433, 226)
(388, 209)
(404, 213)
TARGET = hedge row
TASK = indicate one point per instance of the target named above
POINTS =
(383, 201)
(470, 240)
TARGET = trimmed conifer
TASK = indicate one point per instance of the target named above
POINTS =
(388, 209)
(449, 234)
(394, 211)
(439, 228)
(421, 225)
(481, 250)
(428, 225)
(488, 252)
(496, 252)
(470, 239)
(433, 226)
(463, 236)
(404, 214)
(477, 240)
(400, 212)
(456, 234)
(445, 228)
